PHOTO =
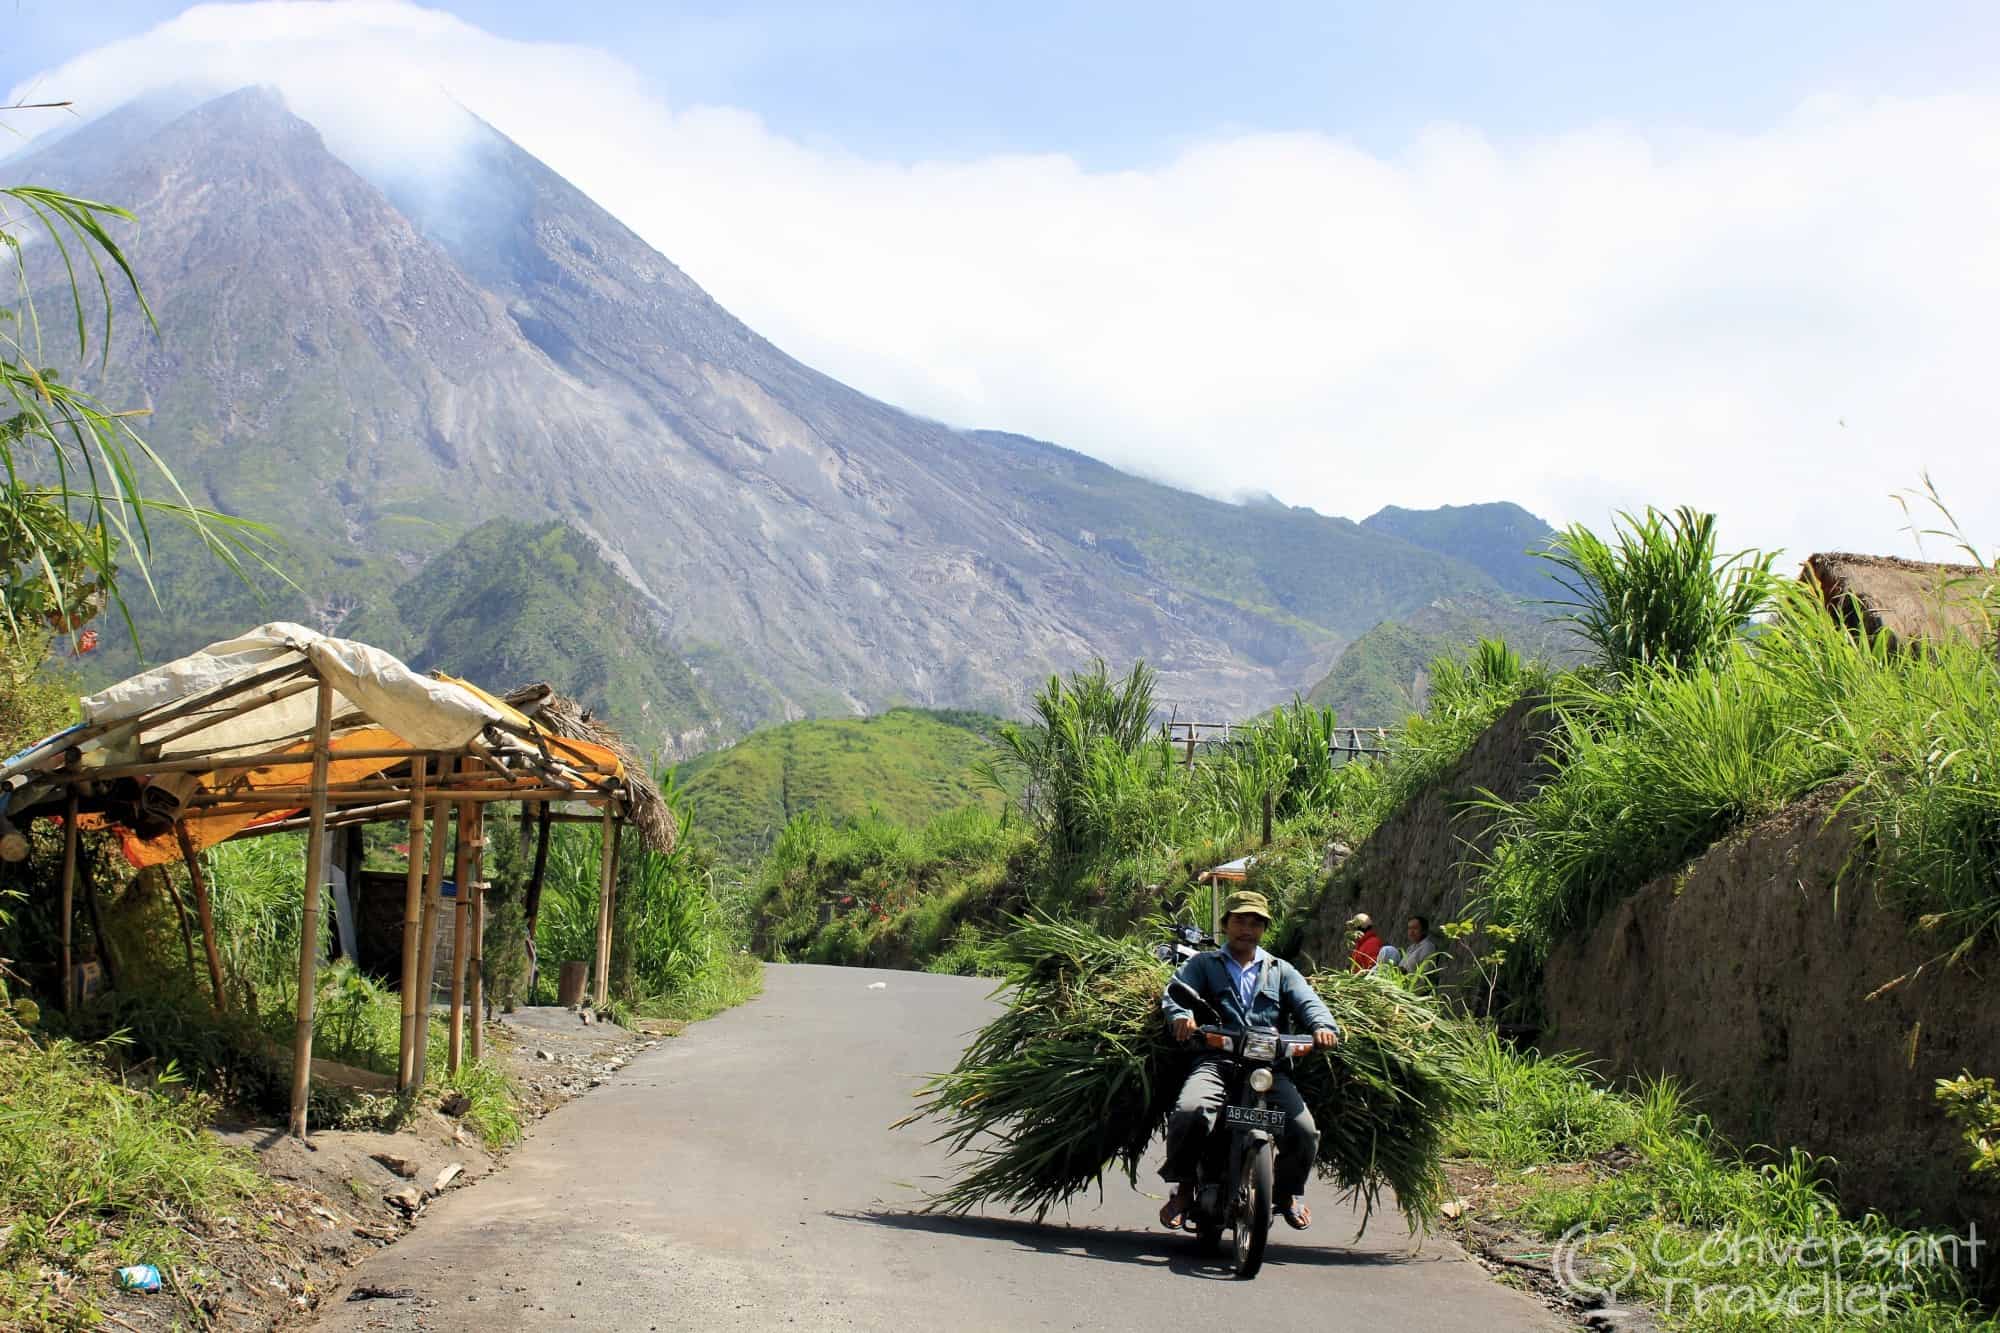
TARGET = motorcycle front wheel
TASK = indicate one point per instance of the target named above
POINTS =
(1253, 1216)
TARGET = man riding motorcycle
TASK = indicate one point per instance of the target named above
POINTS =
(1248, 988)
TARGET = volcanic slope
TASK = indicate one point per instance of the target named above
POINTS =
(376, 368)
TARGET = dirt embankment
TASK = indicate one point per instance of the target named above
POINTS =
(1748, 974)
(1422, 859)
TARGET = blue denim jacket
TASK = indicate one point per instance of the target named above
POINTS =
(1281, 994)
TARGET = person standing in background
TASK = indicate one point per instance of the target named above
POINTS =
(1420, 946)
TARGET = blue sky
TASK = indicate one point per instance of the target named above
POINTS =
(1125, 84)
(1585, 257)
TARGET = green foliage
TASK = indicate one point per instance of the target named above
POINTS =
(1384, 676)
(910, 764)
(95, 1173)
(1658, 594)
(512, 602)
(1658, 768)
(1078, 1074)
(1534, 1109)
(71, 504)
(1974, 1106)
(1091, 764)
(32, 704)
(1500, 538)
(1683, 1209)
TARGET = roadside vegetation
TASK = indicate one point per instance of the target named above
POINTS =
(1714, 693)
(1641, 1201)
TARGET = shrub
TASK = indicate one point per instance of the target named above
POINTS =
(1658, 594)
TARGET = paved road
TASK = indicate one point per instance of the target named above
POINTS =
(743, 1177)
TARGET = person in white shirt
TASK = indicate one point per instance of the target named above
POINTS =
(1422, 946)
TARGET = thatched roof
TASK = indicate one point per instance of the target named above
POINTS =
(1909, 600)
(649, 813)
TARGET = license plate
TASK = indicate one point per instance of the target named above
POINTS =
(1254, 1117)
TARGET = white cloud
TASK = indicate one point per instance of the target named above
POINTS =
(1607, 318)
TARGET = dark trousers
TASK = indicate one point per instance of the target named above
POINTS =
(1200, 1106)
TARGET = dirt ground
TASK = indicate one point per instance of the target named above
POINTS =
(348, 1193)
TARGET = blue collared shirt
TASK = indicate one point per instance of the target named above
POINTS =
(1246, 978)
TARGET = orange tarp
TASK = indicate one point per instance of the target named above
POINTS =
(207, 828)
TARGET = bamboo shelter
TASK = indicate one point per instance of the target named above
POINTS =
(286, 729)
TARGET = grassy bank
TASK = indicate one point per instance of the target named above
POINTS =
(1639, 1201)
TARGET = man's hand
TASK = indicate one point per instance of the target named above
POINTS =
(1326, 1039)
(1183, 1028)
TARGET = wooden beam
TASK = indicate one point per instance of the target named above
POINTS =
(180, 914)
(607, 877)
(475, 965)
(461, 930)
(206, 720)
(69, 901)
(433, 914)
(532, 904)
(204, 907)
(413, 920)
(322, 755)
(211, 764)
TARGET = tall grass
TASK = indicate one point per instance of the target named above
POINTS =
(1651, 1201)
(1658, 594)
(1658, 767)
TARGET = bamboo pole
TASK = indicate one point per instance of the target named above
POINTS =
(476, 964)
(607, 874)
(69, 901)
(204, 907)
(413, 920)
(322, 753)
(461, 930)
(181, 915)
(532, 905)
(427, 951)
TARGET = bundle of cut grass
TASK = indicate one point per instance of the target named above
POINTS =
(1078, 1074)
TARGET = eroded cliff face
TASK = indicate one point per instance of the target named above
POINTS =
(1756, 975)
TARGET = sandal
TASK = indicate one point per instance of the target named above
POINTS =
(1296, 1214)
(1173, 1213)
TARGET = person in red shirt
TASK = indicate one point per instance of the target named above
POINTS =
(1369, 947)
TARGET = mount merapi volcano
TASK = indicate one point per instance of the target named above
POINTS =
(379, 367)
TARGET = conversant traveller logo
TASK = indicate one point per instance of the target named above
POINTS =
(1849, 1275)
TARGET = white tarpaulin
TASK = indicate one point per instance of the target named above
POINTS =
(368, 684)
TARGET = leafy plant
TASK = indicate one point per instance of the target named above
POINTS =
(72, 505)
(1658, 594)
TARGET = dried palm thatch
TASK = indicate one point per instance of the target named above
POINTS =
(1911, 601)
(647, 812)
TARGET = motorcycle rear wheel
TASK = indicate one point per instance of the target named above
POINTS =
(1253, 1218)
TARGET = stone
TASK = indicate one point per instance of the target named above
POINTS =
(446, 1176)
(406, 1199)
(401, 1166)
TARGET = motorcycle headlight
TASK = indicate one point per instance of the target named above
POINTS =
(1260, 1080)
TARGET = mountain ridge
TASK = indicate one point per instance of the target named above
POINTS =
(379, 382)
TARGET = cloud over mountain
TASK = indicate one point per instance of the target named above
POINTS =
(1614, 316)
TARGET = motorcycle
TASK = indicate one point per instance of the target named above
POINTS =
(1233, 1177)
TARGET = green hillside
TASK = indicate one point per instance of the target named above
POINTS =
(514, 602)
(1494, 537)
(908, 763)
(1378, 679)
